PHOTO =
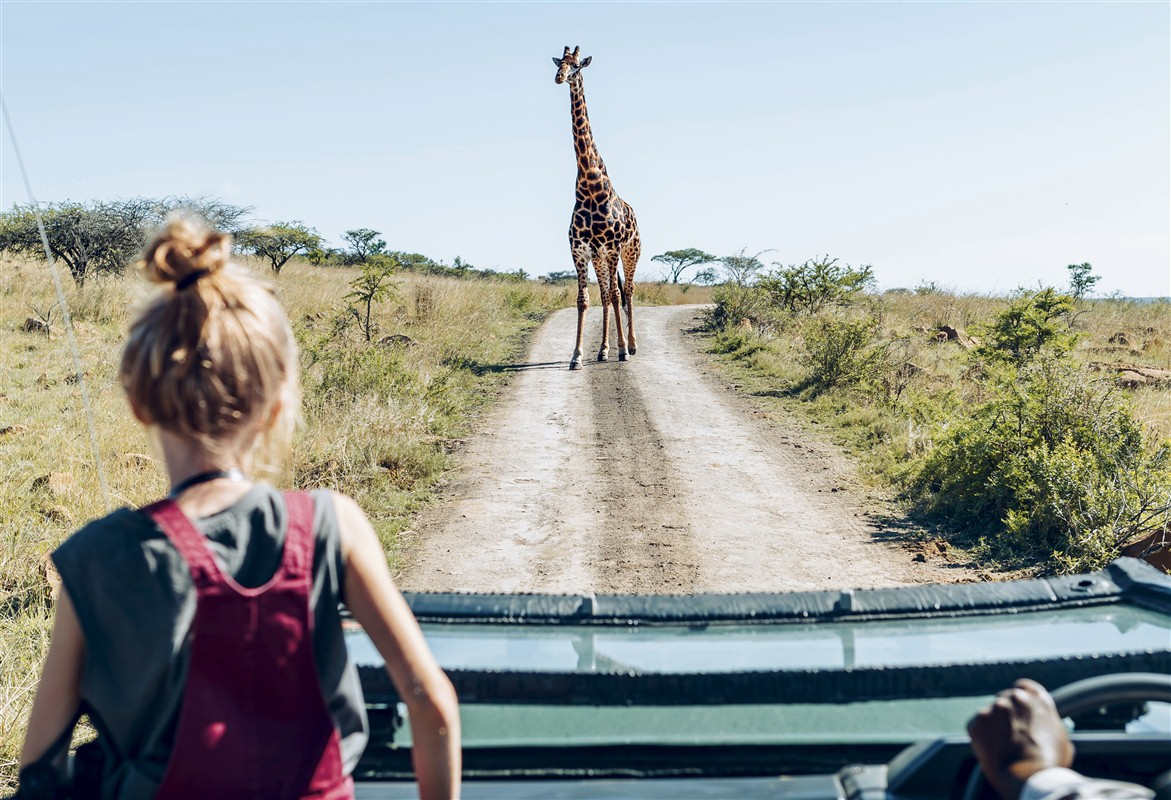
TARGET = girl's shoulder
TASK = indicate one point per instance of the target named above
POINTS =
(119, 533)
(108, 565)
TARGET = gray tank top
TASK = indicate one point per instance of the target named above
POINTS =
(135, 602)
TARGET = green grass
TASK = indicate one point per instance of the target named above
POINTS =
(890, 438)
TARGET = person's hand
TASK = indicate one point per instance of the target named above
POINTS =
(1018, 735)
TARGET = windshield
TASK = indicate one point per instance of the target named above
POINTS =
(731, 647)
(853, 311)
(778, 682)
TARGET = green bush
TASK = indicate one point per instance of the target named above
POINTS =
(774, 299)
(352, 373)
(808, 288)
(739, 343)
(733, 304)
(525, 299)
(842, 352)
(1051, 469)
(1032, 322)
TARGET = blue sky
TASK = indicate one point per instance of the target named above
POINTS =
(980, 145)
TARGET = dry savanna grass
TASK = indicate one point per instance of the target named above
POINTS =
(931, 381)
(1112, 335)
(381, 418)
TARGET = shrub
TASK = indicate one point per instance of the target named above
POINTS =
(1052, 468)
(733, 303)
(524, 298)
(814, 285)
(842, 352)
(349, 374)
(325, 256)
(1028, 325)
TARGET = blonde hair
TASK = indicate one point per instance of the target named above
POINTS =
(212, 354)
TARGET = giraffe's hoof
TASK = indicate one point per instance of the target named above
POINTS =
(632, 350)
(621, 356)
(603, 357)
(575, 363)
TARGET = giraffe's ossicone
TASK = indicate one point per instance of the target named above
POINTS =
(602, 229)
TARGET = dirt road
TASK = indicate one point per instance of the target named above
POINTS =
(647, 476)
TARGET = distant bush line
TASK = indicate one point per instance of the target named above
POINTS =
(106, 237)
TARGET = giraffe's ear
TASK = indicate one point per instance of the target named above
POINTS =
(586, 62)
(557, 61)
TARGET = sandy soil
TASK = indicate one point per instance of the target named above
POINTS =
(649, 476)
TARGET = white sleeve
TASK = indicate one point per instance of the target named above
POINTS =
(1059, 783)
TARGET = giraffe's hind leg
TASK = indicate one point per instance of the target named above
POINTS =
(616, 301)
(630, 253)
(602, 269)
(606, 265)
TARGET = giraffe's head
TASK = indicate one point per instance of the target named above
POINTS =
(568, 65)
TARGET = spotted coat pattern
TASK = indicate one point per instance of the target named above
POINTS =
(602, 229)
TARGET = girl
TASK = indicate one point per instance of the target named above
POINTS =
(201, 633)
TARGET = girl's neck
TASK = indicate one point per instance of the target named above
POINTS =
(186, 458)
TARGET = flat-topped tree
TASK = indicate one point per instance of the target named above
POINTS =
(679, 261)
(364, 243)
(279, 242)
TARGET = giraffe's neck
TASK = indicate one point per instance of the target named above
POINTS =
(583, 137)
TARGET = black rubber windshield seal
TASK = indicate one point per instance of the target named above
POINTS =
(1125, 580)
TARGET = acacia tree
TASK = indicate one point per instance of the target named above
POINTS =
(279, 242)
(102, 236)
(87, 238)
(218, 214)
(372, 286)
(364, 243)
(679, 261)
(741, 267)
(706, 277)
(1081, 279)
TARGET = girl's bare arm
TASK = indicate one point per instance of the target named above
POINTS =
(59, 691)
(424, 688)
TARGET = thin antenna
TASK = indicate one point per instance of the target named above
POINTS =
(78, 372)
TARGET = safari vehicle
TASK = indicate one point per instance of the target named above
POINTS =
(852, 694)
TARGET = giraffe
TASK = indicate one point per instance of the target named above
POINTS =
(602, 228)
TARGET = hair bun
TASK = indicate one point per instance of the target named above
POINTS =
(184, 246)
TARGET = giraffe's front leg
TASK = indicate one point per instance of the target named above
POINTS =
(581, 262)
